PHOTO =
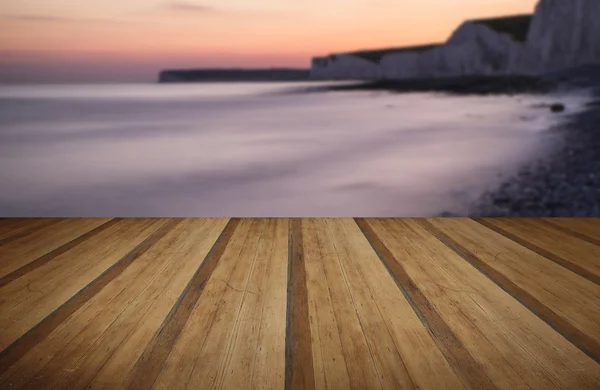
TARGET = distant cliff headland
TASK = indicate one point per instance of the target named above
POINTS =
(221, 75)
(559, 35)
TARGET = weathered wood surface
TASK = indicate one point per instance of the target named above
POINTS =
(300, 303)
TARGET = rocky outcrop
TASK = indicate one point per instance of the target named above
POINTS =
(562, 34)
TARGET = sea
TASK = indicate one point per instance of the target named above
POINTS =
(261, 149)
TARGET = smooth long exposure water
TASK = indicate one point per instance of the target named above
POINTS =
(248, 149)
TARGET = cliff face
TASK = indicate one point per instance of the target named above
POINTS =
(473, 49)
(561, 34)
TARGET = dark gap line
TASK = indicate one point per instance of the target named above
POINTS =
(299, 370)
(541, 251)
(40, 261)
(578, 338)
(552, 225)
(40, 332)
(7, 225)
(455, 353)
(37, 225)
(151, 362)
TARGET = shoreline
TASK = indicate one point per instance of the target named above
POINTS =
(473, 85)
(565, 183)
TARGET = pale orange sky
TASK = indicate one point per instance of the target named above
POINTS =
(131, 40)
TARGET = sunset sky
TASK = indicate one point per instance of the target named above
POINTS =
(131, 40)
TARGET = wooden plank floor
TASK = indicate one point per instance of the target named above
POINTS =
(300, 303)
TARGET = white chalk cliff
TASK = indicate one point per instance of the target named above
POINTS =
(562, 34)
(473, 49)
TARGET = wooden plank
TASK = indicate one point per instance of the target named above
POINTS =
(242, 367)
(52, 361)
(186, 247)
(20, 347)
(163, 276)
(212, 359)
(587, 229)
(566, 301)
(329, 350)
(572, 253)
(55, 253)
(152, 360)
(269, 366)
(180, 363)
(448, 346)
(356, 348)
(8, 226)
(365, 323)
(390, 367)
(28, 300)
(424, 361)
(14, 229)
(40, 280)
(43, 239)
(515, 348)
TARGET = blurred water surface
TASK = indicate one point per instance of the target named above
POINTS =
(258, 149)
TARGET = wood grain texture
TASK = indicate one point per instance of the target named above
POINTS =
(180, 254)
(16, 274)
(44, 237)
(516, 348)
(469, 370)
(27, 301)
(583, 228)
(211, 320)
(340, 347)
(12, 230)
(306, 303)
(149, 365)
(140, 298)
(548, 286)
(12, 353)
(587, 342)
(574, 227)
(572, 253)
(257, 347)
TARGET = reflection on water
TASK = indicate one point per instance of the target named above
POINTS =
(255, 150)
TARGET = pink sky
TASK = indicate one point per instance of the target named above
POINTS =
(131, 40)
